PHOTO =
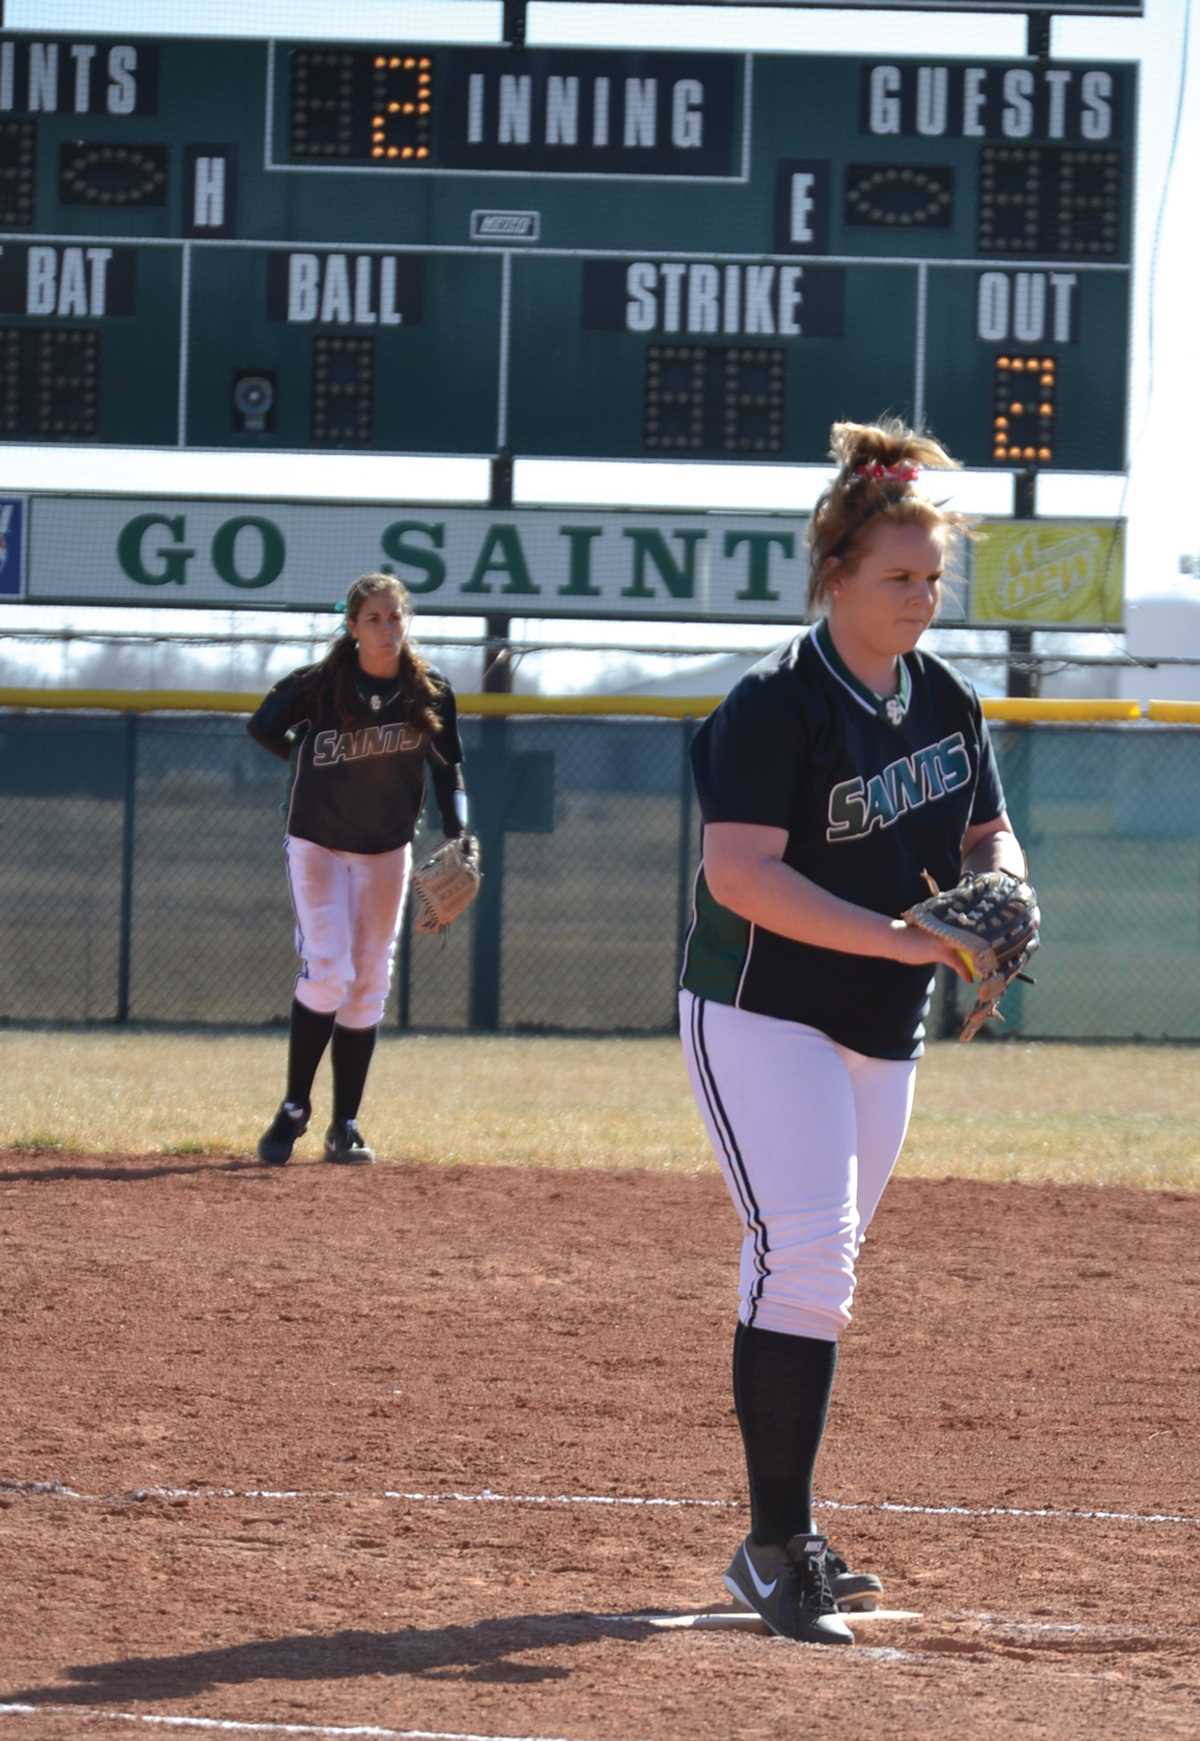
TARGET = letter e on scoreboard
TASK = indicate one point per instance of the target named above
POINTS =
(210, 190)
(801, 206)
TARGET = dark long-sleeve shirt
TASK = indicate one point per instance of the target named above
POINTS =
(359, 788)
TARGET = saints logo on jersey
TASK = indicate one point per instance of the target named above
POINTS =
(909, 783)
(332, 747)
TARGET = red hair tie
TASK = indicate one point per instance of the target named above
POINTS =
(902, 473)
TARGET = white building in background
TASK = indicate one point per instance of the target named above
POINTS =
(715, 676)
(1165, 627)
(718, 675)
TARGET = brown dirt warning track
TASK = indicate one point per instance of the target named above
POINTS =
(414, 1449)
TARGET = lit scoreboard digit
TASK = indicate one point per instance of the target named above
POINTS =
(351, 106)
(565, 252)
(1023, 421)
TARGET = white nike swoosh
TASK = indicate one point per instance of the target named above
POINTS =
(764, 1590)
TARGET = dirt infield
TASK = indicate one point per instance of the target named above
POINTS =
(338, 1366)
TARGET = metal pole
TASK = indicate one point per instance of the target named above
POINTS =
(683, 883)
(404, 991)
(125, 935)
(489, 794)
(514, 23)
(502, 480)
(1017, 767)
(1022, 679)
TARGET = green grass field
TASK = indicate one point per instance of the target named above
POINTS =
(992, 1110)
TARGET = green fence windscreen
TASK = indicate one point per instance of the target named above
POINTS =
(142, 877)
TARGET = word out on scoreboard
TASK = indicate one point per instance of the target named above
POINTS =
(407, 247)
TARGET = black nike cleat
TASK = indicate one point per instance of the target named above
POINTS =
(276, 1143)
(853, 1592)
(789, 1588)
(346, 1146)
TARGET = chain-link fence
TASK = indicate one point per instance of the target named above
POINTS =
(142, 877)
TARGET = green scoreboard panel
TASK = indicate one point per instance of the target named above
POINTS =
(580, 253)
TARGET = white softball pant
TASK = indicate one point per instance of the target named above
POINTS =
(806, 1133)
(348, 908)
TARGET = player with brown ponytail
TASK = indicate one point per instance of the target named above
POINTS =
(340, 666)
(358, 729)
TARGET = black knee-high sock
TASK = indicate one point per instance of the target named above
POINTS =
(352, 1049)
(781, 1388)
(308, 1037)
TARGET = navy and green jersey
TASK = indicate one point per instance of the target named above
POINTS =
(359, 786)
(871, 792)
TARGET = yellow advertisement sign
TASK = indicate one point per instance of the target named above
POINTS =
(1049, 573)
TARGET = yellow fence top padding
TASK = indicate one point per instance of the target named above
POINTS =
(592, 706)
(1174, 712)
(1033, 711)
(1043, 711)
(131, 700)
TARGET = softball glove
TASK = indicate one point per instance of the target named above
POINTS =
(446, 884)
(991, 918)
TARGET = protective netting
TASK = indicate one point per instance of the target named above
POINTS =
(142, 877)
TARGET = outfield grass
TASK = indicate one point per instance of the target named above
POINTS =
(1006, 1110)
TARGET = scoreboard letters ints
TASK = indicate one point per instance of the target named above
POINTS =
(408, 247)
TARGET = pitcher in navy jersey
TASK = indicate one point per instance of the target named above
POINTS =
(833, 775)
(359, 729)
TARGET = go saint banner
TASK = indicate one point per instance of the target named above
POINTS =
(651, 564)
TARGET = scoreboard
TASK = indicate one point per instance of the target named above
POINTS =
(579, 253)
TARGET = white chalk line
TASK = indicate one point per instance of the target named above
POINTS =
(1050, 1513)
(227, 1726)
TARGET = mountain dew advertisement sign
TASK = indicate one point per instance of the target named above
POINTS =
(1067, 574)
